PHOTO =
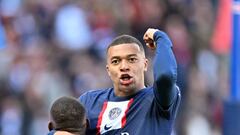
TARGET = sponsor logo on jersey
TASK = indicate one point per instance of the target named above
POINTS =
(107, 127)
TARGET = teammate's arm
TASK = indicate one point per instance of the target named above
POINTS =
(164, 67)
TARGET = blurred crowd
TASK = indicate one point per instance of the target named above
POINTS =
(51, 48)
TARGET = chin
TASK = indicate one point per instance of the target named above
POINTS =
(128, 88)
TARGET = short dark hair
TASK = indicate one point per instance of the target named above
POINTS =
(123, 39)
(68, 114)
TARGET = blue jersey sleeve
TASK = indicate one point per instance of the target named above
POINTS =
(165, 71)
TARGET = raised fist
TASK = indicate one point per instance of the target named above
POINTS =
(148, 38)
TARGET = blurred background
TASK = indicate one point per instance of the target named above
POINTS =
(51, 48)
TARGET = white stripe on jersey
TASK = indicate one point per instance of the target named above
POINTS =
(113, 116)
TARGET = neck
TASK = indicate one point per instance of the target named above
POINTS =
(125, 92)
(63, 133)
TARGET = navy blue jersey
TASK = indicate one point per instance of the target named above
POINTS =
(151, 111)
(52, 132)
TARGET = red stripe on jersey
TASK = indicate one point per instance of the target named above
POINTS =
(124, 119)
(100, 117)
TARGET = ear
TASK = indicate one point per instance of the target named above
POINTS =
(87, 123)
(107, 67)
(50, 126)
(145, 64)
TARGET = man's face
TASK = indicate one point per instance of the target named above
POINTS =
(126, 64)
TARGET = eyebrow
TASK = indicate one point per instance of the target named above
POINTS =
(118, 57)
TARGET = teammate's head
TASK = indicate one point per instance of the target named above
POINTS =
(68, 114)
(64, 133)
(126, 64)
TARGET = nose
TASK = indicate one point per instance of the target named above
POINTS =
(124, 66)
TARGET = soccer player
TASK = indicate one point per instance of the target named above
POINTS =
(131, 108)
(68, 117)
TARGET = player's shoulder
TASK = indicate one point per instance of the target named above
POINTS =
(97, 92)
(92, 94)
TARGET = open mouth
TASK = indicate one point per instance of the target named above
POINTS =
(126, 79)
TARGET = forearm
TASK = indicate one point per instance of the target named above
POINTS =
(165, 70)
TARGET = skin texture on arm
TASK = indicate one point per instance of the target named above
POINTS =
(165, 67)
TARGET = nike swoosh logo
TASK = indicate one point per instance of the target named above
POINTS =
(106, 127)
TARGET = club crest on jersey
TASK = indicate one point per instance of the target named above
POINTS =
(114, 113)
(113, 116)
